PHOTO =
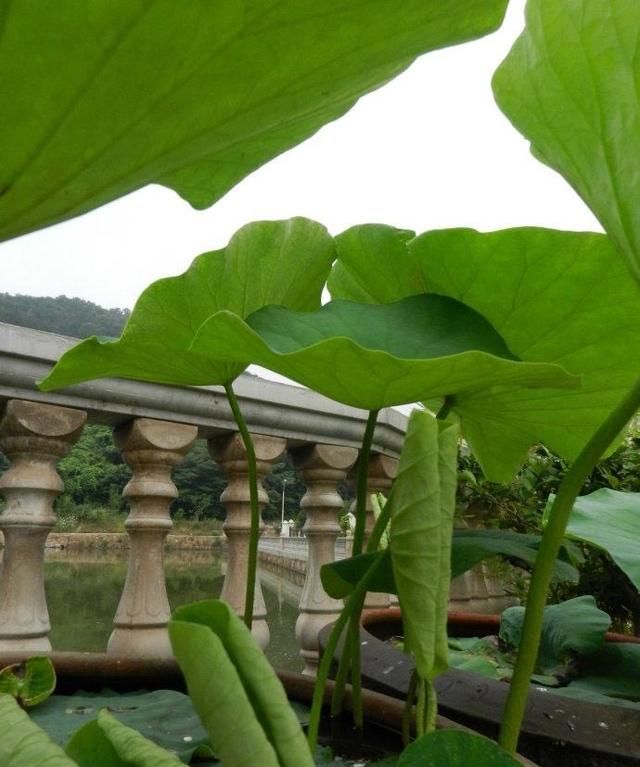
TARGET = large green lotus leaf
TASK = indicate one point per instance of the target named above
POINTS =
(560, 297)
(98, 99)
(589, 694)
(574, 627)
(236, 692)
(455, 748)
(166, 717)
(375, 356)
(23, 743)
(570, 84)
(610, 520)
(472, 546)
(116, 745)
(265, 262)
(468, 548)
(614, 670)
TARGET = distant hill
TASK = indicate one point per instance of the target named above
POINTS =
(67, 316)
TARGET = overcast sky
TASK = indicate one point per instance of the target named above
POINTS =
(427, 151)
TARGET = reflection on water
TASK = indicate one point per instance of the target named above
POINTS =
(83, 591)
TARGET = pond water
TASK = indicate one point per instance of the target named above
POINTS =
(83, 591)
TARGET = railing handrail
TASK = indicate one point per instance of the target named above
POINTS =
(272, 408)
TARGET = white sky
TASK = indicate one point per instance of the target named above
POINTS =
(429, 150)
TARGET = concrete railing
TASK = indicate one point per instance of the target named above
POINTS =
(298, 548)
(154, 427)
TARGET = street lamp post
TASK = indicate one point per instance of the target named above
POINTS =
(284, 487)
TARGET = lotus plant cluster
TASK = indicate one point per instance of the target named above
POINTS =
(504, 339)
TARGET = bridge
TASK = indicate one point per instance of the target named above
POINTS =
(155, 426)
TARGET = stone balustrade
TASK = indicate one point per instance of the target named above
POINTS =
(154, 427)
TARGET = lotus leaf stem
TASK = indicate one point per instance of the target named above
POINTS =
(254, 534)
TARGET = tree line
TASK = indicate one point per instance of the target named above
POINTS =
(67, 316)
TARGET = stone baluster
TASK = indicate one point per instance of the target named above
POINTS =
(35, 437)
(469, 592)
(151, 448)
(230, 453)
(497, 598)
(382, 472)
(321, 467)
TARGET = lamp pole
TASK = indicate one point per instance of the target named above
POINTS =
(284, 487)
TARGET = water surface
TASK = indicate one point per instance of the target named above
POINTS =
(83, 591)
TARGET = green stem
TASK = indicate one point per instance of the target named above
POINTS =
(421, 706)
(354, 630)
(432, 707)
(545, 561)
(342, 676)
(361, 488)
(254, 534)
(379, 527)
(353, 604)
(408, 709)
(356, 669)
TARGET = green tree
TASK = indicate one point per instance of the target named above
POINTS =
(67, 316)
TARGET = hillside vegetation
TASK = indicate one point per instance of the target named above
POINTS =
(67, 316)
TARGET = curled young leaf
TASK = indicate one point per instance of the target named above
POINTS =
(234, 689)
(30, 682)
(415, 542)
(106, 742)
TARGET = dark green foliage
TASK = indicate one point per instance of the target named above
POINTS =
(200, 482)
(67, 316)
(519, 506)
(94, 475)
(294, 490)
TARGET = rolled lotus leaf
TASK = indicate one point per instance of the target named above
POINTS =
(23, 743)
(235, 690)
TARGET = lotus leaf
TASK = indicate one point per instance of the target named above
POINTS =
(610, 520)
(30, 682)
(574, 627)
(415, 542)
(194, 96)
(266, 262)
(375, 356)
(468, 548)
(106, 742)
(23, 743)
(230, 680)
(555, 297)
(455, 748)
(570, 85)
(165, 717)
